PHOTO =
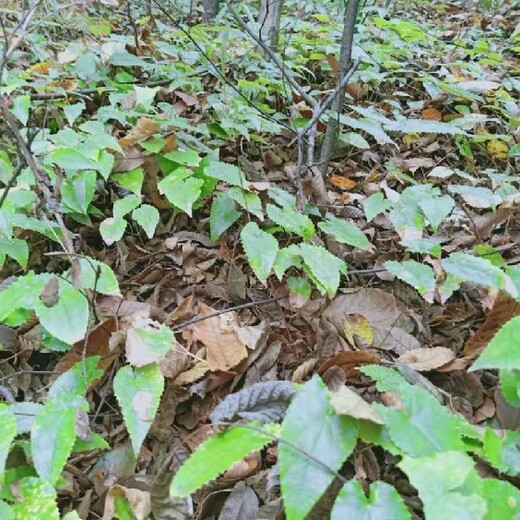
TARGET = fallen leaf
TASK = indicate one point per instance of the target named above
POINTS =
(357, 328)
(349, 362)
(225, 350)
(431, 114)
(195, 373)
(145, 127)
(346, 402)
(342, 182)
(97, 344)
(425, 358)
(387, 316)
(503, 310)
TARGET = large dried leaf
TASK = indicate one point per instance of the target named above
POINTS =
(264, 402)
(388, 317)
(225, 350)
(424, 359)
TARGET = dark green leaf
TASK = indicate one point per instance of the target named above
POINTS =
(223, 215)
(312, 426)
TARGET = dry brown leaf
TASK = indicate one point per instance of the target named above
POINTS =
(271, 160)
(195, 373)
(97, 344)
(503, 310)
(145, 127)
(432, 114)
(387, 316)
(341, 182)
(346, 402)
(132, 158)
(349, 362)
(425, 358)
(138, 500)
(225, 350)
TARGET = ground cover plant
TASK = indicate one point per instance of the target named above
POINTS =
(259, 260)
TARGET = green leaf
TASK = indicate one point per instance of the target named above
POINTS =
(344, 231)
(223, 215)
(24, 413)
(68, 319)
(21, 294)
(181, 193)
(77, 193)
(226, 172)
(249, 201)
(216, 454)
(291, 220)
(75, 382)
(422, 245)
(71, 159)
(383, 502)
(186, 157)
(354, 139)
(420, 126)
(436, 209)
(476, 197)
(125, 205)
(37, 499)
(148, 343)
(503, 351)
(515, 151)
(299, 286)
(376, 204)
(138, 392)
(112, 230)
(96, 442)
(147, 217)
(20, 108)
(99, 276)
(53, 436)
(261, 249)
(311, 425)
(8, 427)
(502, 451)
(6, 511)
(125, 59)
(473, 269)
(286, 258)
(510, 386)
(422, 426)
(323, 267)
(503, 499)
(132, 180)
(72, 112)
(420, 276)
(448, 485)
(16, 248)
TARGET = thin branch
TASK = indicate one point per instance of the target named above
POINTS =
(247, 305)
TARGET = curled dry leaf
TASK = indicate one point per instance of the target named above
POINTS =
(349, 362)
(138, 500)
(425, 358)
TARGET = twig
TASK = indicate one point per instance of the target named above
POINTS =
(224, 311)
(11, 182)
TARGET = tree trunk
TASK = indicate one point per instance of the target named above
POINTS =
(345, 62)
(210, 9)
(269, 19)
